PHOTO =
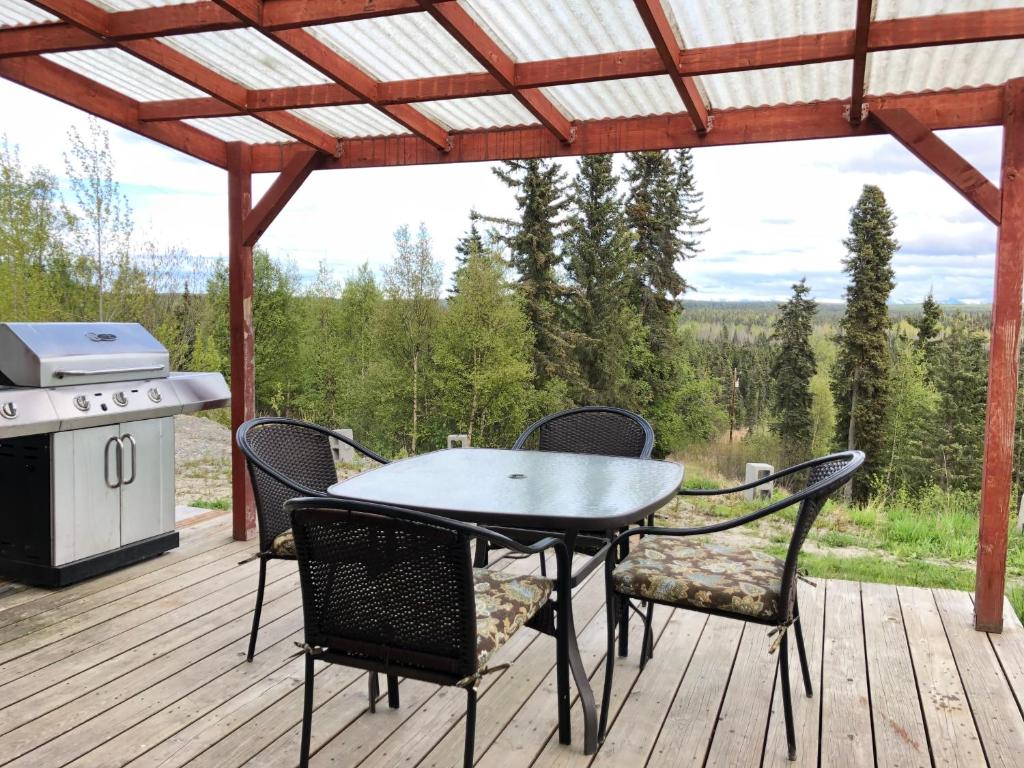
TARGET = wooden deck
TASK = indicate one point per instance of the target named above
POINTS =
(145, 667)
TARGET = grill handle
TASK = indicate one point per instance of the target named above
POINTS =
(108, 371)
(119, 462)
(131, 441)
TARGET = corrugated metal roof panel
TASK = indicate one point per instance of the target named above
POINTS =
(478, 112)
(18, 13)
(904, 9)
(534, 30)
(780, 85)
(125, 74)
(351, 121)
(946, 66)
(617, 98)
(242, 128)
(130, 5)
(247, 57)
(701, 23)
(398, 47)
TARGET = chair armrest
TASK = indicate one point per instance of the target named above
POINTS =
(747, 486)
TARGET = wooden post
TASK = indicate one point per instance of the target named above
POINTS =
(1002, 377)
(243, 382)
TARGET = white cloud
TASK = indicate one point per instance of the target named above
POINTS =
(777, 212)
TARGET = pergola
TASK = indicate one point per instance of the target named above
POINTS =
(293, 86)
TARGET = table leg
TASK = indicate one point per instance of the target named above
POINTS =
(569, 660)
(623, 607)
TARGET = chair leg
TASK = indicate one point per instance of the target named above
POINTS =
(480, 556)
(307, 714)
(259, 608)
(787, 701)
(543, 564)
(393, 691)
(609, 668)
(647, 646)
(467, 755)
(802, 653)
(373, 689)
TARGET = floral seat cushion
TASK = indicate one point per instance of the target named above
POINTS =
(703, 575)
(504, 603)
(284, 544)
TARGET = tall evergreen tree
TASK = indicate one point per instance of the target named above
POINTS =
(791, 372)
(860, 378)
(610, 345)
(929, 326)
(663, 209)
(470, 243)
(962, 382)
(539, 187)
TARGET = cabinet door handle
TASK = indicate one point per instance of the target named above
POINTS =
(118, 461)
(131, 441)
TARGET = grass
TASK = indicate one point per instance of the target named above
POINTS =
(211, 503)
(883, 571)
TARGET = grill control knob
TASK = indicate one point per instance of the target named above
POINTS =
(120, 399)
(82, 403)
(8, 410)
(154, 395)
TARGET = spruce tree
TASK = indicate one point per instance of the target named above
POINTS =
(610, 337)
(663, 212)
(860, 378)
(539, 187)
(929, 326)
(962, 381)
(791, 372)
(663, 209)
(469, 244)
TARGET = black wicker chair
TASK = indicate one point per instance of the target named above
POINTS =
(667, 568)
(594, 429)
(392, 590)
(286, 458)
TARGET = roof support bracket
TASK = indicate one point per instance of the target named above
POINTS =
(256, 221)
(943, 159)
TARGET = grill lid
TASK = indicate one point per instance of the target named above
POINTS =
(61, 354)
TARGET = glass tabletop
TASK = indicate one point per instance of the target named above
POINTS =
(534, 489)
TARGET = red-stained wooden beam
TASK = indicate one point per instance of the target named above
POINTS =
(240, 331)
(471, 36)
(88, 17)
(62, 84)
(324, 59)
(660, 30)
(822, 120)
(281, 191)
(860, 59)
(46, 38)
(943, 159)
(1004, 360)
(946, 29)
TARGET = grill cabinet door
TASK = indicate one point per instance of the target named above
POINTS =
(86, 511)
(147, 501)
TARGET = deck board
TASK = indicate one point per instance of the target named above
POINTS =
(145, 667)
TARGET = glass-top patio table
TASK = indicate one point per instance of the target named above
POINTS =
(563, 492)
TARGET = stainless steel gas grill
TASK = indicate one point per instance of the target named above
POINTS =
(87, 447)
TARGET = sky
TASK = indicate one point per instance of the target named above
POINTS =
(776, 212)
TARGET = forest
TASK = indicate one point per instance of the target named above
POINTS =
(578, 299)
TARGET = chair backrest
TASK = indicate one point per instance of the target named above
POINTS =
(286, 458)
(386, 585)
(595, 429)
(825, 476)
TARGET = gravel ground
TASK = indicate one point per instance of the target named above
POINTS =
(202, 457)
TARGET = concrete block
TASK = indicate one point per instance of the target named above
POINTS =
(755, 471)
